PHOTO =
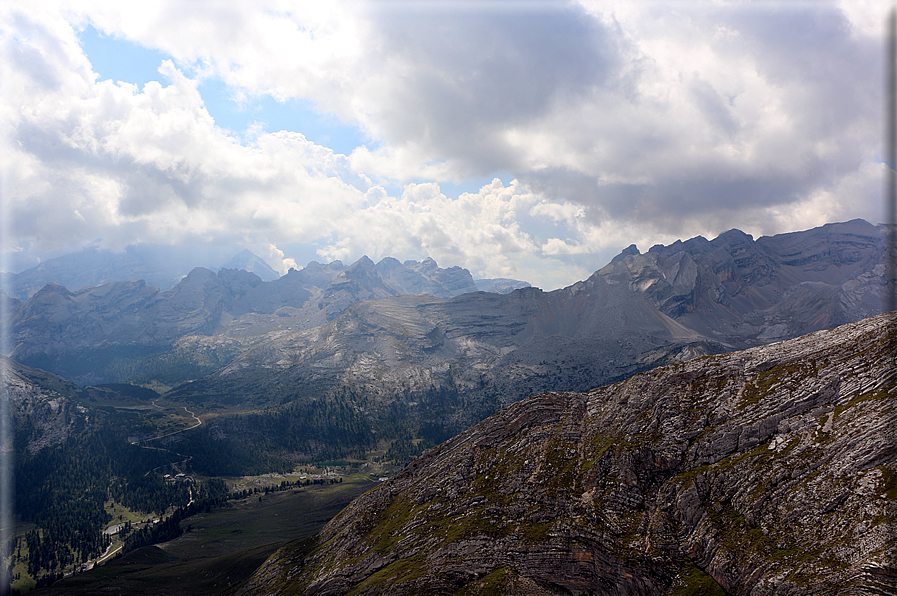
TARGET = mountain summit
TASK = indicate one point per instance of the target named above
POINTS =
(747, 291)
(252, 263)
(81, 334)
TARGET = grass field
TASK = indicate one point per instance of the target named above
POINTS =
(264, 519)
(221, 548)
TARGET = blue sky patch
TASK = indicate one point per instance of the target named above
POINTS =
(121, 60)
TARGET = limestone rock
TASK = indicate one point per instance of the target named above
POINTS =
(43, 407)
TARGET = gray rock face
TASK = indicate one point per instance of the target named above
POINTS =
(42, 406)
(745, 292)
(453, 362)
(425, 277)
(771, 470)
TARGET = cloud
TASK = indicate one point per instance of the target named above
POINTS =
(94, 159)
(500, 231)
(620, 122)
(279, 262)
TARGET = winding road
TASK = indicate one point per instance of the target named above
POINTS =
(195, 417)
(107, 555)
(186, 457)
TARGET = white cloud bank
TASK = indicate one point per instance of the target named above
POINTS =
(621, 122)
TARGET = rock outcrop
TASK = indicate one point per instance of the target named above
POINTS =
(769, 471)
(43, 407)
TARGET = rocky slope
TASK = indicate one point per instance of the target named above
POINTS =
(766, 471)
(448, 364)
(43, 407)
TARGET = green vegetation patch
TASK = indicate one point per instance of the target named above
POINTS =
(738, 536)
(385, 533)
(150, 570)
(562, 466)
(402, 570)
(536, 533)
(405, 519)
(596, 447)
(497, 465)
(887, 484)
(789, 375)
(499, 581)
(879, 394)
(340, 463)
(694, 581)
(687, 477)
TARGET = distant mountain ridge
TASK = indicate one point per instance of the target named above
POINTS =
(247, 261)
(446, 364)
(736, 289)
(163, 266)
(677, 301)
(93, 266)
(77, 334)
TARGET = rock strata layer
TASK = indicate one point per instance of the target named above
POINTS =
(769, 471)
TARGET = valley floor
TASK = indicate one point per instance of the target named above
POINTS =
(221, 548)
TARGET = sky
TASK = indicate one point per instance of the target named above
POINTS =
(528, 140)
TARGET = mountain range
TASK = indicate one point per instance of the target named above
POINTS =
(448, 363)
(165, 266)
(127, 329)
(415, 353)
(717, 456)
(765, 471)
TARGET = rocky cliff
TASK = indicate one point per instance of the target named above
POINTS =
(748, 292)
(43, 407)
(766, 471)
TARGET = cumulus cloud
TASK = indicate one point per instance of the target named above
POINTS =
(620, 122)
(106, 159)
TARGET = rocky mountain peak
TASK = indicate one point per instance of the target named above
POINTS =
(632, 249)
(735, 288)
(247, 261)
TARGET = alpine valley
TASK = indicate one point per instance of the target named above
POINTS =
(712, 416)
